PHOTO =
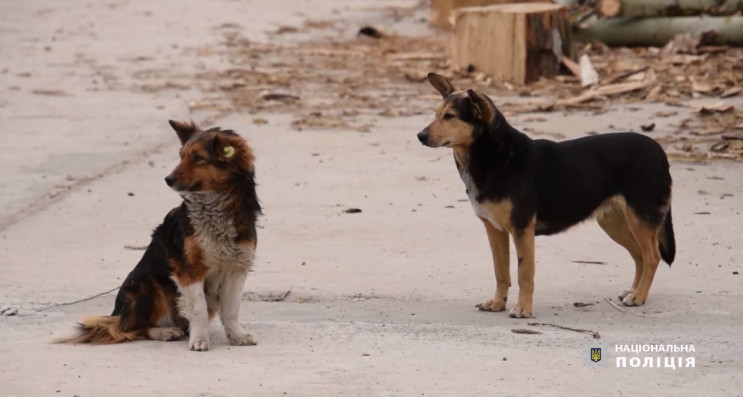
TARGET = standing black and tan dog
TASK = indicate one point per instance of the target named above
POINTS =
(199, 256)
(523, 187)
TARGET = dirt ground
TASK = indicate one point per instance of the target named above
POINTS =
(381, 302)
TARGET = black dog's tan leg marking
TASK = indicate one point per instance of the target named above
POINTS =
(646, 237)
(500, 250)
(524, 241)
(615, 225)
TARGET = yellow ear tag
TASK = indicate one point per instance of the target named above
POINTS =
(229, 151)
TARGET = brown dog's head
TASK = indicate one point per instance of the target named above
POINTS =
(211, 160)
(460, 117)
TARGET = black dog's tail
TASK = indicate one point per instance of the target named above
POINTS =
(101, 330)
(666, 240)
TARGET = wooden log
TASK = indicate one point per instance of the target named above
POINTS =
(516, 43)
(659, 31)
(670, 8)
(442, 11)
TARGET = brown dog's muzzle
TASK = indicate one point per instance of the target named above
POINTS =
(423, 136)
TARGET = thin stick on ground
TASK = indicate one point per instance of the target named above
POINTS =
(615, 306)
(583, 331)
(71, 302)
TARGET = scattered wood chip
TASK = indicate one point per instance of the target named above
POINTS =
(588, 74)
(648, 127)
(712, 108)
(286, 29)
(49, 92)
(260, 121)
(525, 331)
(701, 87)
(719, 146)
(624, 74)
(573, 67)
(730, 92)
(135, 247)
(665, 114)
(583, 304)
(371, 31)
(353, 211)
(733, 135)
(279, 96)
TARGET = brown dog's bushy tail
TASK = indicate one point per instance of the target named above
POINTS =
(667, 241)
(101, 330)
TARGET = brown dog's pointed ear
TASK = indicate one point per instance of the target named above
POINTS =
(184, 130)
(441, 84)
(482, 109)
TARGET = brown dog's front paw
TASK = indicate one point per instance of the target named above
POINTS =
(625, 293)
(493, 305)
(520, 311)
(633, 300)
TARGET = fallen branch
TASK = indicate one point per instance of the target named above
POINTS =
(607, 90)
(525, 331)
(615, 306)
(43, 309)
(590, 262)
(582, 331)
(622, 75)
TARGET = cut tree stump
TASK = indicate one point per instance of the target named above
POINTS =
(516, 43)
(442, 10)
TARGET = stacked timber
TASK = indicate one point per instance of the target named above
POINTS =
(656, 22)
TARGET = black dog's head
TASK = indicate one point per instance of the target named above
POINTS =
(460, 117)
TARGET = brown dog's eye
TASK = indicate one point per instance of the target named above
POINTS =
(448, 116)
(196, 158)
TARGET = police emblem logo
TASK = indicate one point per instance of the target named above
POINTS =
(595, 354)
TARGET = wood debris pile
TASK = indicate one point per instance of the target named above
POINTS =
(348, 84)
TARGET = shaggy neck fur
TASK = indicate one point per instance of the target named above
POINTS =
(209, 213)
(227, 216)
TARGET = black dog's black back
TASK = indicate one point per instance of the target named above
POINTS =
(564, 182)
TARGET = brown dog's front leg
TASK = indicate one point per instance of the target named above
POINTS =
(500, 250)
(524, 241)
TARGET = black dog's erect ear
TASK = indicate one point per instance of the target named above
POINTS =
(441, 84)
(184, 130)
(482, 110)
